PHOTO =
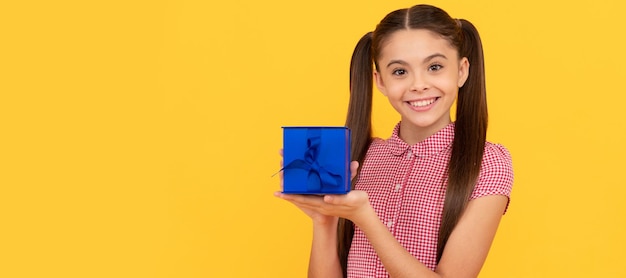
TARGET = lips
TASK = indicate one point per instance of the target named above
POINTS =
(423, 102)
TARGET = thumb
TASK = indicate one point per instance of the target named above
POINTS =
(354, 166)
(333, 199)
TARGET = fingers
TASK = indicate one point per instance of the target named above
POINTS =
(316, 200)
(354, 166)
(303, 199)
(307, 202)
(331, 199)
(306, 207)
(329, 205)
(354, 198)
(313, 201)
(337, 200)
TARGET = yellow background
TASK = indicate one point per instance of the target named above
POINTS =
(137, 138)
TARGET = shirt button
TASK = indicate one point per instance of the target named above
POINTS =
(398, 186)
(408, 154)
(389, 224)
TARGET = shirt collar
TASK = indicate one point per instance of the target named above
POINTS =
(434, 144)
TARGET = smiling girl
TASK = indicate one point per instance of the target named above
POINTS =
(428, 200)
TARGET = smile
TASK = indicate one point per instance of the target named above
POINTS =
(423, 103)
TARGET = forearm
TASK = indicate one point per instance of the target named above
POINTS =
(324, 260)
(397, 260)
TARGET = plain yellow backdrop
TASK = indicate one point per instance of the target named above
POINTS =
(138, 138)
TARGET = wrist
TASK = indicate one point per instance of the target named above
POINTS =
(325, 222)
(327, 230)
(365, 216)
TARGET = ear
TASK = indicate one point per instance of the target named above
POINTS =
(463, 71)
(379, 83)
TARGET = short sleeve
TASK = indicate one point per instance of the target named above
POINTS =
(496, 173)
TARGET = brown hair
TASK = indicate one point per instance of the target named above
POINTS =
(471, 115)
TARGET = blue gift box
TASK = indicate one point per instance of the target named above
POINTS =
(316, 160)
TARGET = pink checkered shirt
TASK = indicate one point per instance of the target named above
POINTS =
(406, 188)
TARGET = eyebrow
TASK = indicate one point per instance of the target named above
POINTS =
(425, 59)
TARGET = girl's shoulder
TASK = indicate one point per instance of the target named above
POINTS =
(378, 141)
(379, 148)
(496, 155)
(496, 172)
(379, 144)
(496, 151)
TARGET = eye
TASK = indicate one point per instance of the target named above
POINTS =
(435, 67)
(399, 72)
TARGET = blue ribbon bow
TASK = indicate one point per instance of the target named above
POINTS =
(318, 177)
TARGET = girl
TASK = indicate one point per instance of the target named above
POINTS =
(428, 200)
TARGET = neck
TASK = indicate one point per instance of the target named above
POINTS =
(413, 134)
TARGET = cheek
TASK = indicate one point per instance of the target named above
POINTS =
(395, 86)
(448, 84)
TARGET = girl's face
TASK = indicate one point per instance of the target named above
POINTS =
(420, 73)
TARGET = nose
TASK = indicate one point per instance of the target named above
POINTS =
(419, 82)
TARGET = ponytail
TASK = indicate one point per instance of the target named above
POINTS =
(470, 132)
(359, 120)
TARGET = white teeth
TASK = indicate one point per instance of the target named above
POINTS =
(422, 103)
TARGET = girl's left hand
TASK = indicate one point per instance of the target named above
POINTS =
(354, 206)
